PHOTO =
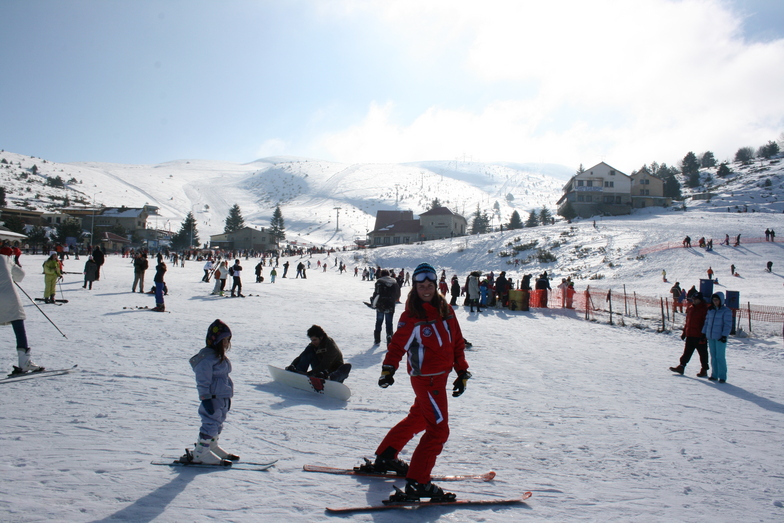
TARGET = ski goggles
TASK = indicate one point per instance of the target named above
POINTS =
(425, 275)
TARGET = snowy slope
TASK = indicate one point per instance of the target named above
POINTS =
(583, 414)
(308, 191)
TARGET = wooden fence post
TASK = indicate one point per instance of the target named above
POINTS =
(661, 300)
(636, 312)
(749, 306)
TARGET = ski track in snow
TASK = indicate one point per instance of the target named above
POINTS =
(584, 414)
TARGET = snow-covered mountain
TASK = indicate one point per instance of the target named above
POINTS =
(308, 191)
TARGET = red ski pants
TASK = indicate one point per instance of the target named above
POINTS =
(430, 412)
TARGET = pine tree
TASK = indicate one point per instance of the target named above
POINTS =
(744, 155)
(2, 197)
(68, 229)
(544, 216)
(533, 219)
(568, 212)
(187, 236)
(723, 170)
(436, 203)
(277, 226)
(38, 236)
(481, 222)
(707, 160)
(515, 222)
(234, 221)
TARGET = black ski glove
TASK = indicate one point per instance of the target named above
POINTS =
(723, 339)
(207, 404)
(460, 383)
(683, 336)
(386, 379)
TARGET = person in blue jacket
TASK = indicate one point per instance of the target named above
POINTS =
(212, 369)
(716, 328)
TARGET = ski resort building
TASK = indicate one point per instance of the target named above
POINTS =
(396, 227)
(604, 190)
(245, 239)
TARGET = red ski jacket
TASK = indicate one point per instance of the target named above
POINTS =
(434, 345)
(695, 319)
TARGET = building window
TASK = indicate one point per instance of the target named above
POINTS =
(618, 199)
(589, 183)
(609, 184)
(406, 240)
(396, 240)
(580, 198)
(579, 183)
(386, 240)
(612, 173)
(377, 240)
(589, 198)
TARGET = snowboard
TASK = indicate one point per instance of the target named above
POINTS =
(333, 389)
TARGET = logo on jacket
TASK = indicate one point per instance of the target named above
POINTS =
(427, 332)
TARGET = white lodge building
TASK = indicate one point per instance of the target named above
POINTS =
(604, 190)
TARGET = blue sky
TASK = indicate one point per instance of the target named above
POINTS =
(568, 82)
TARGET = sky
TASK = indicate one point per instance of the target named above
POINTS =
(567, 82)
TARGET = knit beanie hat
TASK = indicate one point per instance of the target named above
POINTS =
(217, 332)
(423, 267)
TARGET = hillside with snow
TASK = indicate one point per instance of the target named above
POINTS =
(308, 191)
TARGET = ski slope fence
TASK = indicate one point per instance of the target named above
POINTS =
(614, 306)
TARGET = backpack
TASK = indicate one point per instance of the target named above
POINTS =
(231, 271)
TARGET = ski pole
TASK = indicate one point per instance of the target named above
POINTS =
(59, 283)
(39, 308)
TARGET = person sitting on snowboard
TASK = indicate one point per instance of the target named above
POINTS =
(322, 356)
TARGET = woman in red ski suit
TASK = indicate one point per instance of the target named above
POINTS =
(430, 334)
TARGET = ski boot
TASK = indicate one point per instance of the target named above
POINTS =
(415, 491)
(384, 466)
(679, 369)
(25, 363)
(160, 307)
(222, 454)
(703, 373)
(203, 455)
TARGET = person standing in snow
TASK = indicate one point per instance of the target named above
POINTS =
(236, 274)
(502, 289)
(718, 324)
(219, 276)
(160, 270)
(12, 311)
(473, 291)
(140, 266)
(258, 270)
(454, 290)
(696, 310)
(286, 269)
(430, 334)
(215, 388)
(90, 272)
(386, 294)
(52, 272)
(273, 275)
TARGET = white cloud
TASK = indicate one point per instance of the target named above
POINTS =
(271, 147)
(628, 82)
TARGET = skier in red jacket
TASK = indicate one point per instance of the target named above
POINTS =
(430, 334)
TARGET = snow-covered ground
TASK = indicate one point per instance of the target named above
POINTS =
(583, 414)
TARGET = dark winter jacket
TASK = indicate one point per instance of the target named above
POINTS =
(385, 294)
(160, 270)
(90, 270)
(718, 320)
(455, 289)
(140, 264)
(326, 357)
(543, 283)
